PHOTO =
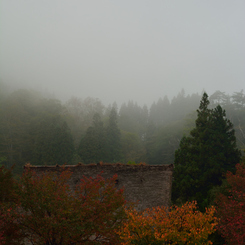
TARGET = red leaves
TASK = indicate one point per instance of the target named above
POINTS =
(93, 212)
(231, 208)
(47, 212)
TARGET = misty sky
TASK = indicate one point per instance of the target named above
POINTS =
(123, 50)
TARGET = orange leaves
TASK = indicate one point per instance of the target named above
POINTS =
(178, 225)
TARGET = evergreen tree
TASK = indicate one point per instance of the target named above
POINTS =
(133, 118)
(204, 156)
(149, 139)
(238, 99)
(79, 115)
(52, 142)
(92, 146)
(113, 138)
(131, 147)
(16, 111)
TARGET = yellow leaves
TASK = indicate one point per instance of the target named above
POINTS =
(177, 225)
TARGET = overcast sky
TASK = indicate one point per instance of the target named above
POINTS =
(123, 50)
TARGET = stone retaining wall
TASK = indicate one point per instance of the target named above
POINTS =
(150, 185)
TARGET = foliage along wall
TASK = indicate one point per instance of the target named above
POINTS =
(146, 185)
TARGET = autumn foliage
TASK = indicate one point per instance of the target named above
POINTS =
(48, 212)
(42, 209)
(10, 232)
(231, 208)
(177, 225)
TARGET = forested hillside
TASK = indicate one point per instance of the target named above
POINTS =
(42, 130)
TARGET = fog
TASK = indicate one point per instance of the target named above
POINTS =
(123, 50)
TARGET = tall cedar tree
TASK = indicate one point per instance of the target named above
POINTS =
(113, 138)
(92, 146)
(204, 156)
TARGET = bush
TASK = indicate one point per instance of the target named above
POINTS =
(179, 225)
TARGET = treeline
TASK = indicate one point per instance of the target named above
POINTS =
(44, 131)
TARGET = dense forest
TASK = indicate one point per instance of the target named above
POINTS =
(41, 130)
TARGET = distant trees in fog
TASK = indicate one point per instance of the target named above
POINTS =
(44, 131)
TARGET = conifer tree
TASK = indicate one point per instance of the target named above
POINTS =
(52, 142)
(92, 146)
(113, 138)
(204, 156)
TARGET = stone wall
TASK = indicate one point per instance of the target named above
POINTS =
(150, 185)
